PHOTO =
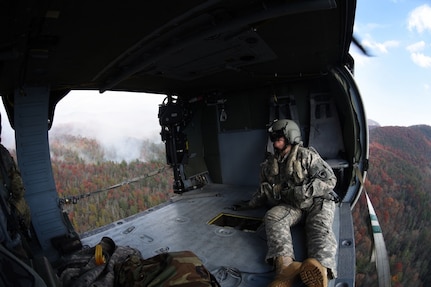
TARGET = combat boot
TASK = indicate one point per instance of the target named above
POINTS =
(313, 274)
(285, 274)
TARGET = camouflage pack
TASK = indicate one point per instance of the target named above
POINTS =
(84, 269)
(182, 268)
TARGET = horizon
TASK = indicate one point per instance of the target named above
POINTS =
(135, 117)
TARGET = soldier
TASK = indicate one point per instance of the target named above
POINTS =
(15, 218)
(299, 183)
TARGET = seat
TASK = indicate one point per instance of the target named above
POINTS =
(325, 134)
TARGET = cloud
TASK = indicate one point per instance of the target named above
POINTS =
(417, 55)
(416, 47)
(362, 28)
(421, 60)
(120, 121)
(382, 47)
(420, 19)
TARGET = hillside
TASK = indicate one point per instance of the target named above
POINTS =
(399, 185)
(84, 178)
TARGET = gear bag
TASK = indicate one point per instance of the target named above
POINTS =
(93, 266)
(181, 268)
(108, 265)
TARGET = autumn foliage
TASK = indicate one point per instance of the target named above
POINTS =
(399, 186)
(83, 177)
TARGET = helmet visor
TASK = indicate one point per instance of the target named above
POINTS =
(275, 135)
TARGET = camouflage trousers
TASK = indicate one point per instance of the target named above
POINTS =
(321, 243)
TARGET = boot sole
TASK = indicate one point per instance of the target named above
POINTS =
(311, 275)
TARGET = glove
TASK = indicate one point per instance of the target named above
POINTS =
(242, 205)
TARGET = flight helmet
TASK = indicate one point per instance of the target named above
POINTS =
(287, 128)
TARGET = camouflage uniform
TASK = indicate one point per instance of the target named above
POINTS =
(14, 203)
(300, 183)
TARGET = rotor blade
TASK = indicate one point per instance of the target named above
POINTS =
(380, 253)
(360, 46)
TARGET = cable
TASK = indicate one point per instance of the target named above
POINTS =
(74, 199)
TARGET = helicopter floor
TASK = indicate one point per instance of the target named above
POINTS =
(231, 244)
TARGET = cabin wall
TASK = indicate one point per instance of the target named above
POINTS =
(228, 136)
(196, 163)
(210, 143)
(348, 132)
(234, 136)
(242, 152)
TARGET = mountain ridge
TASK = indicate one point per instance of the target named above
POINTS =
(399, 185)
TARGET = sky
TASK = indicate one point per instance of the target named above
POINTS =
(395, 82)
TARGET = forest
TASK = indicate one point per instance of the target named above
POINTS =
(398, 183)
(399, 186)
(95, 191)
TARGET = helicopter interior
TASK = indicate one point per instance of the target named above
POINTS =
(228, 69)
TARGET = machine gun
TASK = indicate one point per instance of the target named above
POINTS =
(173, 118)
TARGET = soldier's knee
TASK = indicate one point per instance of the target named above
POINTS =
(273, 213)
(278, 213)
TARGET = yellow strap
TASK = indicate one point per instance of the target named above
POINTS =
(98, 255)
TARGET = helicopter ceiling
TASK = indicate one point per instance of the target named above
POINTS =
(169, 46)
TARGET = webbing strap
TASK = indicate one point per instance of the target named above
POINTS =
(380, 254)
(379, 249)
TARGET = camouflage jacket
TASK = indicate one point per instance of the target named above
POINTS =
(13, 192)
(296, 179)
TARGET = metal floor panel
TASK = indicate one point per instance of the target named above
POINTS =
(235, 257)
